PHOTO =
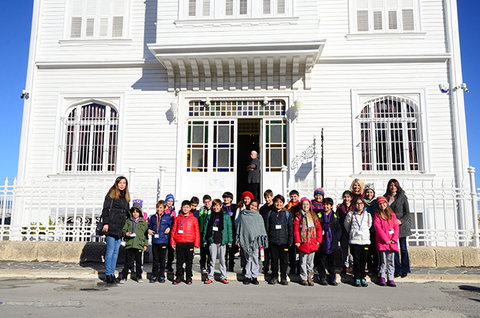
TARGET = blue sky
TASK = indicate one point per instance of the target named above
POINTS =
(15, 23)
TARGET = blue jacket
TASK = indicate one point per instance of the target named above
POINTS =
(165, 222)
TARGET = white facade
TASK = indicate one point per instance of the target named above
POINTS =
(138, 58)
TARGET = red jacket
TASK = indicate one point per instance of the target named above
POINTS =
(311, 246)
(189, 226)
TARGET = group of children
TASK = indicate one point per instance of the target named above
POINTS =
(278, 233)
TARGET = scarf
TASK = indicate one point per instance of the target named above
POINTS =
(213, 217)
(251, 232)
(308, 228)
(291, 204)
(317, 205)
(328, 231)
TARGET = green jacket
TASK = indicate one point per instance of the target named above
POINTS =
(201, 218)
(141, 238)
(227, 236)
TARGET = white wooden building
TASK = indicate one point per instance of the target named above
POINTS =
(174, 94)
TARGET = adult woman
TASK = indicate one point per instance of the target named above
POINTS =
(114, 213)
(398, 202)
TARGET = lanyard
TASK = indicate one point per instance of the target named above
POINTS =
(135, 224)
(229, 209)
(359, 224)
(182, 223)
(278, 217)
(388, 220)
(158, 223)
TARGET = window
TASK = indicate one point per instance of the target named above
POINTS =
(237, 108)
(275, 145)
(225, 9)
(384, 15)
(197, 146)
(223, 145)
(390, 135)
(97, 19)
(91, 139)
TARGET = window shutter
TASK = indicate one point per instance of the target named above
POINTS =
(228, 7)
(377, 20)
(76, 30)
(117, 28)
(243, 6)
(392, 20)
(266, 7)
(90, 26)
(192, 8)
(281, 6)
(206, 8)
(408, 23)
(104, 27)
(362, 20)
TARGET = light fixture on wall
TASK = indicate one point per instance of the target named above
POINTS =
(298, 106)
(174, 109)
(207, 101)
(265, 101)
(462, 86)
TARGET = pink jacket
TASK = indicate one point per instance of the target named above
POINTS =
(382, 235)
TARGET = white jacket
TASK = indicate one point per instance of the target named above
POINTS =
(358, 228)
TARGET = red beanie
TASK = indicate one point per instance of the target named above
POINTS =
(247, 194)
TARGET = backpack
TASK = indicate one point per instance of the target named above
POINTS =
(287, 214)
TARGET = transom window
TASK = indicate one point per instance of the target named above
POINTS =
(91, 139)
(384, 15)
(96, 19)
(390, 137)
(225, 9)
(237, 108)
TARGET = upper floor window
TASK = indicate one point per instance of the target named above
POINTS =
(97, 19)
(380, 16)
(91, 139)
(390, 135)
(225, 9)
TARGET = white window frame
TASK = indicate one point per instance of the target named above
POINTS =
(218, 10)
(359, 98)
(353, 27)
(97, 22)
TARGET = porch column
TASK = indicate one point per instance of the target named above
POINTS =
(473, 193)
(284, 180)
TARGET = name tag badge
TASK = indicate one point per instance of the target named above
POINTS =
(180, 232)
(301, 225)
(133, 235)
(359, 234)
(156, 236)
(278, 227)
(391, 232)
(323, 232)
(215, 228)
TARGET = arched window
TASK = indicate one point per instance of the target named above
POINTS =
(91, 139)
(390, 135)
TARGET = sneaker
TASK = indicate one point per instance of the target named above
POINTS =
(403, 275)
(110, 280)
(208, 281)
(323, 282)
(255, 281)
(188, 282)
(381, 281)
(364, 283)
(397, 275)
(116, 279)
(177, 281)
(246, 281)
(140, 280)
(202, 269)
(273, 281)
(334, 283)
(153, 280)
(357, 283)
(391, 283)
(121, 279)
(225, 281)
(161, 280)
(284, 282)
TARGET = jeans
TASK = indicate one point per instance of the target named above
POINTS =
(111, 255)
(403, 266)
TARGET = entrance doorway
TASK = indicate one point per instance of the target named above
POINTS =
(248, 140)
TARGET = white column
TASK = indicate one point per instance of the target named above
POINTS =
(161, 182)
(473, 193)
(284, 180)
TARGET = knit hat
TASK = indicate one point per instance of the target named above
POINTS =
(247, 194)
(170, 196)
(381, 199)
(138, 202)
(370, 186)
(319, 191)
(305, 199)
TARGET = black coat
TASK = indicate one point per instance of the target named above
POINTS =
(115, 217)
(336, 227)
(283, 236)
(402, 210)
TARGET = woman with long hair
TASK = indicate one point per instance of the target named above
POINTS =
(114, 213)
(398, 202)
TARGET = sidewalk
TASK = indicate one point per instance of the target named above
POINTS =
(92, 270)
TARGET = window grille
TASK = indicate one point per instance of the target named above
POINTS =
(275, 145)
(197, 146)
(237, 108)
(384, 15)
(223, 146)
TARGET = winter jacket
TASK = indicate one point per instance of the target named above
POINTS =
(402, 210)
(383, 235)
(310, 246)
(201, 217)
(159, 228)
(358, 228)
(189, 226)
(171, 211)
(227, 235)
(342, 212)
(264, 210)
(336, 231)
(141, 237)
(283, 235)
(115, 216)
(371, 207)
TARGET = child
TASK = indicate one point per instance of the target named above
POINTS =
(308, 236)
(230, 208)
(386, 236)
(357, 188)
(159, 228)
(170, 199)
(280, 236)
(317, 203)
(243, 205)
(136, 241)
(206, 210)
(264, 211)
(342, 211)
(251, 236)
(194, 201)
(357, 225)
(293, 207)
(371, 207)
(217, 235)
(332, 233)
(185, 236)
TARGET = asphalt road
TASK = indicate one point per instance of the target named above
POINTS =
(89, 298)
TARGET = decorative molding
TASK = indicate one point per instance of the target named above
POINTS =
(236, 22)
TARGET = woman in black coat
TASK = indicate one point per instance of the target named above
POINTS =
(114, 213)
(398, 201)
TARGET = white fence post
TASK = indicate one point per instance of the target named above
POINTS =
(473, 193)
(284, 180)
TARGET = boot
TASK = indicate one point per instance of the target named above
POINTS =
(310, 278)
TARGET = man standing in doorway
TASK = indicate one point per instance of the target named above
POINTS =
(253, 176)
